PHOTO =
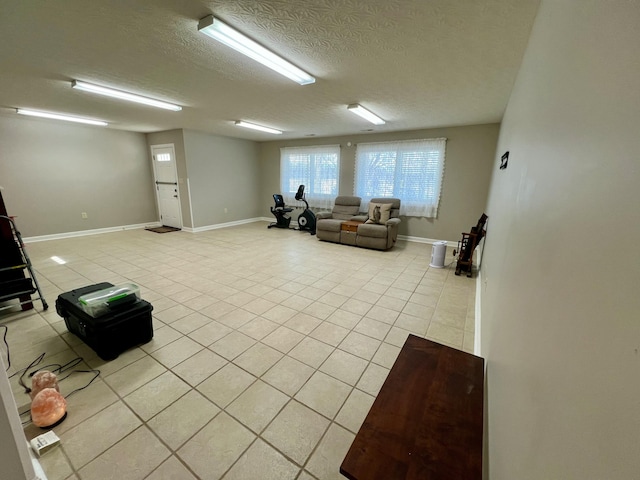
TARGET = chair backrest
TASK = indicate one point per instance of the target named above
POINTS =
(479, 230)
(345, 207)
(395, 205)
(481, 221)
(279, 200)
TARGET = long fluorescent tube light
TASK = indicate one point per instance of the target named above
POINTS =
(110, 92)
(366, 114)
(223, 33)
(55, 116)
(253, 126)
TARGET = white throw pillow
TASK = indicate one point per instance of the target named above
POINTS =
(379, 213)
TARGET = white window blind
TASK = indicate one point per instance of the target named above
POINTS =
(409, 170)
(317, 168)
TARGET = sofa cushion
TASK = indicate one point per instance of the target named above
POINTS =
(330, 225)
(344, 212)
(348, 200)
(379, 213)
(345, 207)
(372, 230)
(323, 215)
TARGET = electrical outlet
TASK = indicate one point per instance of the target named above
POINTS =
(84, 215)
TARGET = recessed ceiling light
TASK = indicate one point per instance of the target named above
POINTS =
(110, 92)
(220, 31)
(253, 126)
(366, 114)
(56, 116)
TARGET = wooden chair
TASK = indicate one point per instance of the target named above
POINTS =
(468, 244)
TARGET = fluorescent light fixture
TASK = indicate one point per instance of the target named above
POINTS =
(223, 33)
(366, 114)
(253, 126)
(55, 116)
(109, 92)
(58, 260)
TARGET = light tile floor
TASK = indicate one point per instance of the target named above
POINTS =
(269, 349)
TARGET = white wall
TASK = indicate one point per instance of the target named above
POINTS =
(15, 462)
(53, 171)
(561, 267)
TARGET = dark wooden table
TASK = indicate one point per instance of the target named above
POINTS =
(426, 422)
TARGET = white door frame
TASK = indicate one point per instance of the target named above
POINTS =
(155, 185)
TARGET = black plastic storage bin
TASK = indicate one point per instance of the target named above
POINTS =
(124, 327)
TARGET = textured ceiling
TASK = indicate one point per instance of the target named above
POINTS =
(416, 63)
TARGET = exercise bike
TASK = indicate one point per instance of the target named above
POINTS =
(280, 211)
(307, 219)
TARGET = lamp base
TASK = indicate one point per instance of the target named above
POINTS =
(55, 424)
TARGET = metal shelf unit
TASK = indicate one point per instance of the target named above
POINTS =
(14, 260)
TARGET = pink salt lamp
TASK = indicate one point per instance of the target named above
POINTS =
(41, 380)
(48, 408)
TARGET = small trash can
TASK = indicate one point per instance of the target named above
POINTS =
(438, 252)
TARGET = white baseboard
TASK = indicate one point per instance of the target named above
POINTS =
(97, 231)
(40, 475)
(222, 225)
(478, 314)
(407, 238)
(431, 241)
(293, 224)
(82, 233)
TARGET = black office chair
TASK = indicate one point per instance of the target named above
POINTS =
(280, 212)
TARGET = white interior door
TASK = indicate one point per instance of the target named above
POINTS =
(166, 179)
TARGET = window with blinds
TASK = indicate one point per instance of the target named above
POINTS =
(317, 168)
(410, 170)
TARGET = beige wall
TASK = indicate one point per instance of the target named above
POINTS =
(470, 154)
(176, 138)
(53, 171)
(224, 174)
(561, 267)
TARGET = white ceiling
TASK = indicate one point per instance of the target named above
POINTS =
(416, 63)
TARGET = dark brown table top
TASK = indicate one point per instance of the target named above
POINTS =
(426, 422)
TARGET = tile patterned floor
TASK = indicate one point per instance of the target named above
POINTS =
(269, 349)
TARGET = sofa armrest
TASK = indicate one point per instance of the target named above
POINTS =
(359, 218)
(322, 215)
(393, 221)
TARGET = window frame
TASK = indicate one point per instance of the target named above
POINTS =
(310, 179)
(431, 152)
